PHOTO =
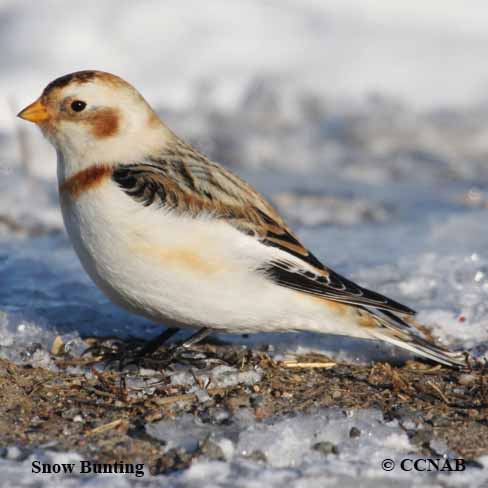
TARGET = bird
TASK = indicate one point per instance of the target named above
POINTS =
(168, 234)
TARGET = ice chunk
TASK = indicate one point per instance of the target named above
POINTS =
(217, 377)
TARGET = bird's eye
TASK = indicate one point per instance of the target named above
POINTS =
(78, 105)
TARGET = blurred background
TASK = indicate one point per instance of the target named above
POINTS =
(365, 122)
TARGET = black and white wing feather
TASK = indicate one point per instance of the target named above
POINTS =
(183, 181)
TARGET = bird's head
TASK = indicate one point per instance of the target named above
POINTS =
(96, 117)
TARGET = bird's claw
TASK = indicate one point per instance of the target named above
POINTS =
(123, 356)
(131, 354)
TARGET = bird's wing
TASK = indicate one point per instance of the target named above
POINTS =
(328, 284)
(187, 183)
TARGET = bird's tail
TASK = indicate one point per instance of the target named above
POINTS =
(396, 331)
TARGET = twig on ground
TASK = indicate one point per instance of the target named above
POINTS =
(106, 427)
(293, 363)
(439, 392)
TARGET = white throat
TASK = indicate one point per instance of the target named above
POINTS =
(130, 145)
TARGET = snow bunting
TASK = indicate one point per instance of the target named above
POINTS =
(168, 234)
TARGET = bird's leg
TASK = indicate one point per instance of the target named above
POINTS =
(186, 344)
(175, 352)
(135, 355)
(153, 344)
(144, 355)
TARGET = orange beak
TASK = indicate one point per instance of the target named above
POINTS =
(35, 112)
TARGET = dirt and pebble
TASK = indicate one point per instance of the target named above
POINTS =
(103, 413)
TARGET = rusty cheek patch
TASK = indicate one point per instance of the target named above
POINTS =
(85, 180)
(105, 123)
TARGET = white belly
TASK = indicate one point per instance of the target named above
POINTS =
(181, 271)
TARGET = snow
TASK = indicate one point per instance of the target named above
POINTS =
(217, 377)
(366, 124)
(281, 450)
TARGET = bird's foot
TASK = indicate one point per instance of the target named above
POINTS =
(168, 357)
(117, 353)
(135, 353)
